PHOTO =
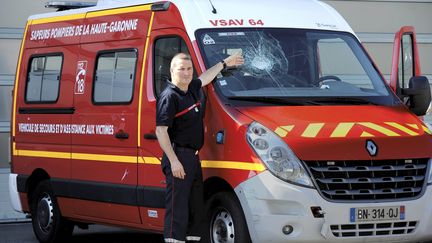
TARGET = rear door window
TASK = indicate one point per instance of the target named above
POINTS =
(43, 79)
(114, 77)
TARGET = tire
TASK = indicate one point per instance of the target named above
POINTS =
(48, 224)
(226, 221)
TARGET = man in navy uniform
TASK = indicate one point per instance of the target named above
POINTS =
(180, 132)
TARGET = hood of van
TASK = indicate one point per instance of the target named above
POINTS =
(345, 132)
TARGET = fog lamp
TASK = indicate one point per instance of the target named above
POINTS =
(287, 229)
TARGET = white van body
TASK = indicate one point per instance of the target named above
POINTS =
(277, 211)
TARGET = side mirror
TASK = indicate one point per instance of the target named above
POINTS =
(419, 94)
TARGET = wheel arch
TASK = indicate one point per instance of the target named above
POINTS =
(214, 185)
(35, 178)
(217, 191)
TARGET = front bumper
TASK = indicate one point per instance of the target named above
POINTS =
(270, 203)
(13, 193)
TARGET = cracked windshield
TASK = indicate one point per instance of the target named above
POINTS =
(283, 65)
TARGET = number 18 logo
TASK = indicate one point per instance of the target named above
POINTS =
(80, 77)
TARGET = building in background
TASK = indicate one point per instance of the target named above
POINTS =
(374, 21)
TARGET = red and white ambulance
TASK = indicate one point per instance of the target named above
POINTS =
(306, 142)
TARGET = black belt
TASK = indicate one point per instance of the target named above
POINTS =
(184, 149)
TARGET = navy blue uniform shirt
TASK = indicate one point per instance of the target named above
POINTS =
(181, 112)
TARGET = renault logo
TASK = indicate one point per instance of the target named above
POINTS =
(371, 147)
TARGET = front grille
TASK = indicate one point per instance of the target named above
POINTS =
(373, 229)
(369, 180)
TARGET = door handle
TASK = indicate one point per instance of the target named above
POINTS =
(122, 135)
(150, 136)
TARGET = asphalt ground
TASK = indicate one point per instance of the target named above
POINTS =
(23, 233)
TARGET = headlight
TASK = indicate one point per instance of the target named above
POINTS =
(276, 155)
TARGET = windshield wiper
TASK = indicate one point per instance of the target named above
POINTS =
(301, 102)
(272, 100)
(343, 100)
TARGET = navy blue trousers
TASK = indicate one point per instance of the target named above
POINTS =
(184, 199)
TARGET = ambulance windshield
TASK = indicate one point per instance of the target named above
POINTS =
(292, 64)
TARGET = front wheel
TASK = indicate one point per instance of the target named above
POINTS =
(227, 223)
(48, 224)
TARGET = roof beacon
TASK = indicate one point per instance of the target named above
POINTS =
(66, 5)
(163, 6)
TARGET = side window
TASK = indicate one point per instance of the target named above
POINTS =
(164, 50)
(43, 79)
(114, 77)
(406, 61)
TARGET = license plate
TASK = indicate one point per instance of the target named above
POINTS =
(377, 214)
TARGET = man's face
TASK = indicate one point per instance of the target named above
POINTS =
(182, 71)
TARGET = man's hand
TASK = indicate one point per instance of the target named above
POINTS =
(234, 60)
(177, 169)
(165, 143)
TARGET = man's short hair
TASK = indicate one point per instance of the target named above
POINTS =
(181, 56)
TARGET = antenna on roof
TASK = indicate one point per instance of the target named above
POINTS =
(66, 5)
(214, 9)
